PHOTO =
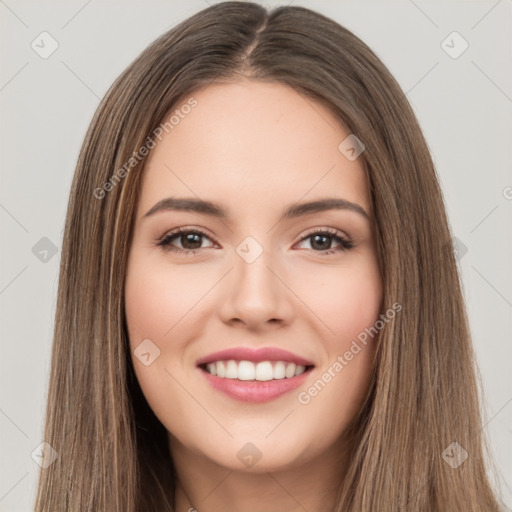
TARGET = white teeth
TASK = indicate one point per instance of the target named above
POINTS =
(290, 370)
(231, 370)
(247, 370)
(300, 369)
(221, 369)
(264, 371)
(279, 370)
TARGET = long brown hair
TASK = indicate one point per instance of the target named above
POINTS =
(113, 453)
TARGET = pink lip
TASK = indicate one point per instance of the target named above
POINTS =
(255, 391)
(256, 356)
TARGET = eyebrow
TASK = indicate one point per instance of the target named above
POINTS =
(295, 210)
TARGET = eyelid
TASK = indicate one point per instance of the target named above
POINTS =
(325, 229)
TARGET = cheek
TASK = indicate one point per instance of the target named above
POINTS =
(165, 305)
(359, 304)
(350, 301)
(345, 299)
(147, 306)
(342, 382)
(154, 307)
(155, 311)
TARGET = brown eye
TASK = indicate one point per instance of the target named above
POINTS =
(322, 240)
(190, 240)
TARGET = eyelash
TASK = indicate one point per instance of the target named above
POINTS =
(165, 242)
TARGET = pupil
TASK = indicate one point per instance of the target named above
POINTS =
(189, 238)
(316, 237)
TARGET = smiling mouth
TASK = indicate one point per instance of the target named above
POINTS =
(250, 371)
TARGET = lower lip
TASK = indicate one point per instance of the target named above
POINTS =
(255, 391)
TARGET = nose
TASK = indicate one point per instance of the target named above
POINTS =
(255, 296)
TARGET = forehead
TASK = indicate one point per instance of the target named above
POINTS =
(250, 139)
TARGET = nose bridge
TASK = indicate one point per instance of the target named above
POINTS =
(254, 295)
(253, 280)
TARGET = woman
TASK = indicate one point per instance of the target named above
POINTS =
(259, 306)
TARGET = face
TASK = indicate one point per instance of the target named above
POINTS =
(253, 279)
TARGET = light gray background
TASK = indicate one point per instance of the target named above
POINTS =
(464, 106)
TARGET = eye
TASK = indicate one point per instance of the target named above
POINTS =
(319, 241)
(190, 240)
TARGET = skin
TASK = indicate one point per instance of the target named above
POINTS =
(254, 148)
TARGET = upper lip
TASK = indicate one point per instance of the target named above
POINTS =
(249, 354)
